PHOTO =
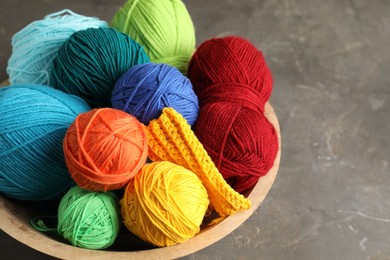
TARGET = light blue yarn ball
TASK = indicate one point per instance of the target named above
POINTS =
(34, 121)
(36, 45)
(145, 89)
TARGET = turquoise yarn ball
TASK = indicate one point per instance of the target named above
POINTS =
(91, 61)
(145, 89)
(36, 45)
(34, 121)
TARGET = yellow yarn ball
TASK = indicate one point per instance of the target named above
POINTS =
(164, 204)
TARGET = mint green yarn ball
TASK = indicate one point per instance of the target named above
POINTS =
(89, 219)
(164, 27)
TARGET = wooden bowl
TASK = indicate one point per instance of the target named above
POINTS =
(15, 216)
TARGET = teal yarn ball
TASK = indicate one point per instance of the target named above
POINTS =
(34, 121)
(36, 45)
(89, 219)
(91, 61)
(145, 89)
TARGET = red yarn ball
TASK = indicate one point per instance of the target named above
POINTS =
(233, 83)
(105, 148)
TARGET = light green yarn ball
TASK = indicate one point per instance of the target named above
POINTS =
(89, 219)
(163, 27)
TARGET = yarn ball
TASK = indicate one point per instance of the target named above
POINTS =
(37, 44)
(89, 219)
(164, 204)
(34, 121)
(92, 60)
(233, 83)
(164, 27)
(146, 89)
(104, 148)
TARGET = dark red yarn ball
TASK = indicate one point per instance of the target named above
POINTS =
(233, 83)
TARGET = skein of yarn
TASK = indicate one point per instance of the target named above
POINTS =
(233, 83)
(90, 62)
(89, 219)
(104, 148)
(36, 45)
(164, 27)
(34, 121)
(164, 204)
(147, 88)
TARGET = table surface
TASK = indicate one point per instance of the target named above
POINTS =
(330, 62)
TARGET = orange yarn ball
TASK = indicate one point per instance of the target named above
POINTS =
(104, 148)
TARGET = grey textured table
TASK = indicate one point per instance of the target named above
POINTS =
(331, 62)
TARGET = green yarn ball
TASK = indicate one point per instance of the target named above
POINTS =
(89, 63)
(164, 27)
(89, 219)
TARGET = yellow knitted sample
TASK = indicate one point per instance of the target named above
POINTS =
(170, 138)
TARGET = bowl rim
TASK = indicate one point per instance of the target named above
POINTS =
(19, 228)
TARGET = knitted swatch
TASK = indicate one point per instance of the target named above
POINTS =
(170, 138)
